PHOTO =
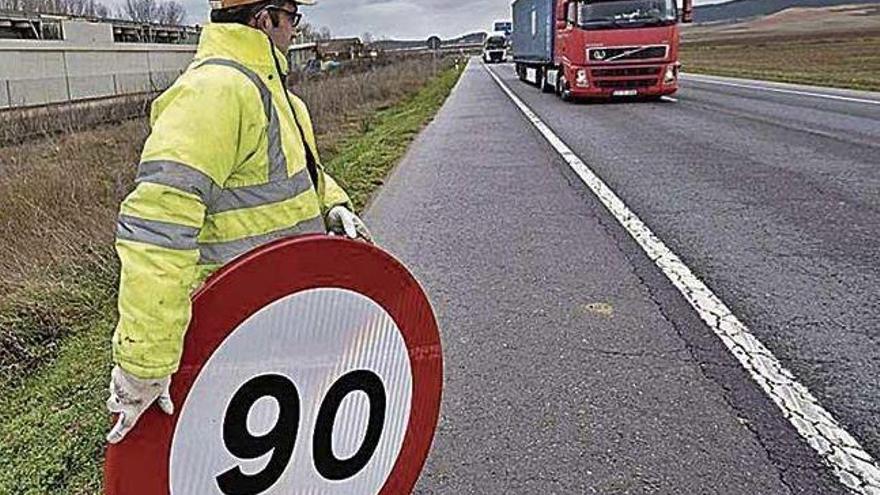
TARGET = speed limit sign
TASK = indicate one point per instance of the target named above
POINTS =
(311, 365)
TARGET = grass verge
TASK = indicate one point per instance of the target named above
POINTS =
(52, 421)
(824, 60)
(361, 164)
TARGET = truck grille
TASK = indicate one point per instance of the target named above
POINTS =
(626, 84)
(627, 72)
(622, 53)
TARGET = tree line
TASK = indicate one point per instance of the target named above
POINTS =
(307, 33)
(168, 12)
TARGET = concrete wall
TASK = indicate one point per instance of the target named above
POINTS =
(87, 33)
(42, 72)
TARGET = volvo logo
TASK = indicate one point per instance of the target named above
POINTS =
(599, 54)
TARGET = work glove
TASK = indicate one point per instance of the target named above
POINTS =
(130, 396)
(341, 221)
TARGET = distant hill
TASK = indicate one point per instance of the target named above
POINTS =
(794, 23)
(744, 9)
(472, 38)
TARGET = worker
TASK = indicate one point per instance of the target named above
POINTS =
(231, 164)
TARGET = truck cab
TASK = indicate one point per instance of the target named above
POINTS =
(600, 48)
(495, 48)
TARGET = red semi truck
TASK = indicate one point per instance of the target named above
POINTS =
(599, 48)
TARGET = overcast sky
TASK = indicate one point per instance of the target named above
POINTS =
(399, 19)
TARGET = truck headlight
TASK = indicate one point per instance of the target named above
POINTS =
(671, 75)
(581, 78)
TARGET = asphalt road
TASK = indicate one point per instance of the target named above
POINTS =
(572, 364)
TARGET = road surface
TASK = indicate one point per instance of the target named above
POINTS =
(573, 365)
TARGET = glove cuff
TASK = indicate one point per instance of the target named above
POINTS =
(133, 382)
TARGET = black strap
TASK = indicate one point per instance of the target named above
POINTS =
(311, 161)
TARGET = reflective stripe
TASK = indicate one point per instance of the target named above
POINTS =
(223, 252)
(277, 160)
(263, 194)
(164, 234)
(177, 175)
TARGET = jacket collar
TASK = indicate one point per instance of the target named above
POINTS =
(245, 45)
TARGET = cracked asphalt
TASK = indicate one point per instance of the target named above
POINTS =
(572, 364)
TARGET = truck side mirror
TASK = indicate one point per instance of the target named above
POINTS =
(687, 11)
(572, 11)
(562, 20)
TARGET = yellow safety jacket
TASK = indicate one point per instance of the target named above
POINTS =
(224, 170)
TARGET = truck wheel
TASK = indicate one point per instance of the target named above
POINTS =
(565, 90)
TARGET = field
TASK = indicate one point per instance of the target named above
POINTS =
(58, 200)
(834, 46)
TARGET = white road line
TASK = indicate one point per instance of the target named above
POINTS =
(855, 468)
(780, 90)
(669, 99)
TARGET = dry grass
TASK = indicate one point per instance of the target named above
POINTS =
(849, 61)
(832, 46)
(58, 201)
(337, 103)
(22, 125)
(60, 194)
(59, 197)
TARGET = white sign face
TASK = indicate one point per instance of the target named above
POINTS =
(294, 401)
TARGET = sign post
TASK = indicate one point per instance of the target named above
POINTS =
(434, 44)
(312, 365)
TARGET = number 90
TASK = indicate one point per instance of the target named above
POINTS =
(281, 439)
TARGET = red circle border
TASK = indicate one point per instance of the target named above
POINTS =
(140, 464)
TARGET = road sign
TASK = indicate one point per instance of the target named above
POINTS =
(312, 365)
(434, 43)
(505, 27)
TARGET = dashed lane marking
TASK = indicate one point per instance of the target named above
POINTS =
(669, 99)
(855, 468)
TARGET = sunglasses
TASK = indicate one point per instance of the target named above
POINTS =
(295, 17)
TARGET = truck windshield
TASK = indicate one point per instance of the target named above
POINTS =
(495, 42)
(603, 14)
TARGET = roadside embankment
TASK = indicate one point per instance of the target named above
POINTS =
(837, 46)
(58, 201)
(844, 60)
